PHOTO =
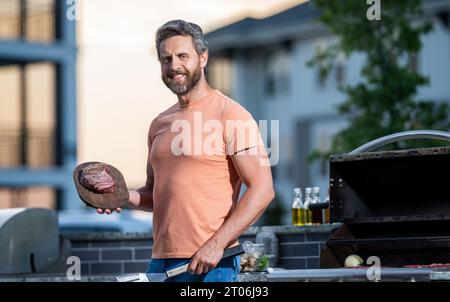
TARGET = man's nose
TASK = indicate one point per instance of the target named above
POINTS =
(175, 64)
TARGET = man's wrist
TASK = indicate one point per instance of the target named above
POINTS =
(133, 200)
(219, 243)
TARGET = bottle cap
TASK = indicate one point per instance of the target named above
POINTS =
(248, 246)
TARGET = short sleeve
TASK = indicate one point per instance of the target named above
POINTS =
(151, 133)
(241, 130)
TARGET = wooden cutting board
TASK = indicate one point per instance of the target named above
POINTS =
(114, 200)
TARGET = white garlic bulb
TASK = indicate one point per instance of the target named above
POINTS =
(353, 261)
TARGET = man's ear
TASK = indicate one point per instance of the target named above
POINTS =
(204, 59)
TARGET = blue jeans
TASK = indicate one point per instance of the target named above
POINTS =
(226, 270)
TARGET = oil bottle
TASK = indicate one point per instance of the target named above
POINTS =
(316, 210)
(308, 201)
(298, 209)
(326, 210)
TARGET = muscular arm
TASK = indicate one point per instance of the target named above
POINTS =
(259, 194)
(142, 198)
(258, 179)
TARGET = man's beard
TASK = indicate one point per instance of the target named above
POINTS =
(191, 80)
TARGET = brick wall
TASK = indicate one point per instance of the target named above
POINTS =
(301, 251)
(115, 253)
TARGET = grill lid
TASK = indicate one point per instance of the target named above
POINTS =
(406, 185)
(29, 240)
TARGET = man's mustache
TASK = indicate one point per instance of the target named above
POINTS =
(171, 74)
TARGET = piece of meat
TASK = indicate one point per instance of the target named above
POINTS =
(96, 178)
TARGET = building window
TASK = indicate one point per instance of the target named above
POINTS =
(220, 74)
(9, 19)
(340, 73)
(269, 84)
(28, 115)
(324, 143)
(320, 79)
(277, 73)
(413, 62)
(32, 20)
(27, 197)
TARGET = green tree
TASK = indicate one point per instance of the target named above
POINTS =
(383, 102)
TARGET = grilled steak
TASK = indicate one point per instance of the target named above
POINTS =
(96, 178)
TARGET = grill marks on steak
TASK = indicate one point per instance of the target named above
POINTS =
(96, 178)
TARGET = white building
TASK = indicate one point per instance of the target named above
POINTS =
(261, 63)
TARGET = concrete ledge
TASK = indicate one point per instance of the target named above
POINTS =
(244, 277)
(107, 236)
(290, 229)
(280, 229)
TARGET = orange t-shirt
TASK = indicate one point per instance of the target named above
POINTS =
(196, 185)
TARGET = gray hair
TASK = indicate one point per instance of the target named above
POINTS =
(181, 28)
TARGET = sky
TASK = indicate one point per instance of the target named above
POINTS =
(119, 81)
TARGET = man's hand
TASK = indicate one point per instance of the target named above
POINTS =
(132, 203)
(206, 259)
(108, 211)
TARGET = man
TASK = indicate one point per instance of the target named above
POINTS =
(200, 151)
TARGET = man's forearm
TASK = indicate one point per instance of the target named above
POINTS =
(141, 199)
(252, 204)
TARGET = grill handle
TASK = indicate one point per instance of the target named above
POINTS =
(401, 136)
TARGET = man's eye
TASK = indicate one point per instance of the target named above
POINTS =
(183, 56)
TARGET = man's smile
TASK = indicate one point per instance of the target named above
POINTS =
(179, 77)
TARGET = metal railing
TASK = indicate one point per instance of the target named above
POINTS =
(40, 148)
(9, 19)
(25, 197)
(27, 20)
(40, 153)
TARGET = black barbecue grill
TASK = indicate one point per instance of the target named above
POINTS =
(392, 204)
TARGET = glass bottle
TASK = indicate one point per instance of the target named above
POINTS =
(316, 211)
(326, 210)
(308, 201)
(298, 209)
